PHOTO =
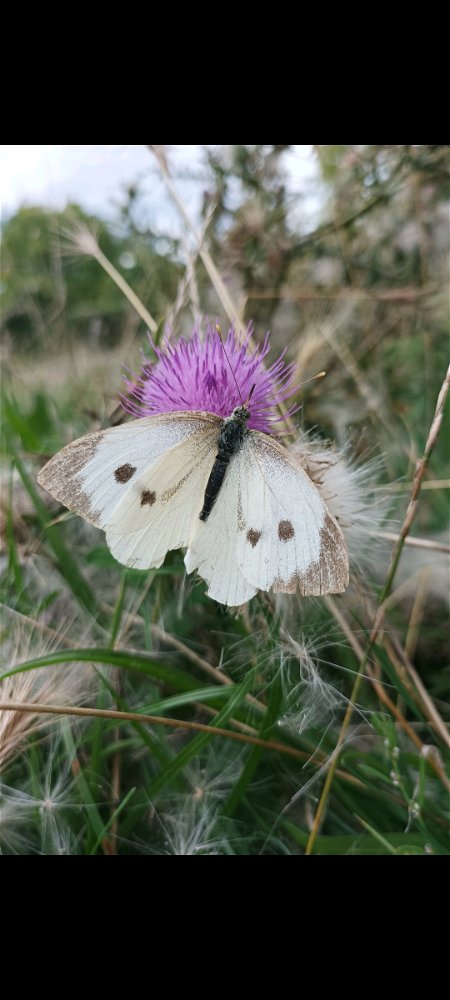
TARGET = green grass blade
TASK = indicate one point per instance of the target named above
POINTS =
(91, 810)
(111, 820)
(198, 742)
(135, 662)
(368, 844)
(255, 753)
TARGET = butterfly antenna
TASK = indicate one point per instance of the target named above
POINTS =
(314, 378)
(219, 334)
(250, 394)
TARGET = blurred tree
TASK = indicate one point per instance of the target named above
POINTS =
(249, 232)
(49, 291)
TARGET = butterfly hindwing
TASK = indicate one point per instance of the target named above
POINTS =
(290, 542)
(270, 524)
(213, 549)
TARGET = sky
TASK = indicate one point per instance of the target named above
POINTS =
(95, 176)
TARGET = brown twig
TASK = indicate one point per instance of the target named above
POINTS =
(406, 294)
(418, 543)
(429, 484)
(159, 720)
(415, 685)
(417, 612)
(154, 720)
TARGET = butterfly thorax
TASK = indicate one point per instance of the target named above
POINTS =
(231, 439)
(233, 431)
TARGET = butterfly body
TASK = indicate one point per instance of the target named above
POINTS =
(231, 439)
(247, 514)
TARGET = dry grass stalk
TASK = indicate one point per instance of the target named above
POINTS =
(81, 240)
(418, 543)
(378, 687)
(221, 290)
(29, 690)
(421, 467)
(159, 720)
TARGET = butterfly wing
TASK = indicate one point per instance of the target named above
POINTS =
(269, 529)
(213, 551)
(161, 509)
(142, 482)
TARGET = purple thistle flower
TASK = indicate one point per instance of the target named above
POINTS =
(196, 375)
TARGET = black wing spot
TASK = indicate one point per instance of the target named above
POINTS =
(285, 531)
(253, 537)
(124, 473)
(148, 496)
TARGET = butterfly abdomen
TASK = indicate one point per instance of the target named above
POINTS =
(230, 441)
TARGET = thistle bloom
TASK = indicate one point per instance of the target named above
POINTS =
(205, 374)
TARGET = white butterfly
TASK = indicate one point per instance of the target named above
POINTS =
(248, 515)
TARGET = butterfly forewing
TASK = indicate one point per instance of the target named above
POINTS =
(93, 475)
(161, 509)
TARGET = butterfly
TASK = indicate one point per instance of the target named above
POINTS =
(247, 513)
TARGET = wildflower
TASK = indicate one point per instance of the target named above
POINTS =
(205, 374)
